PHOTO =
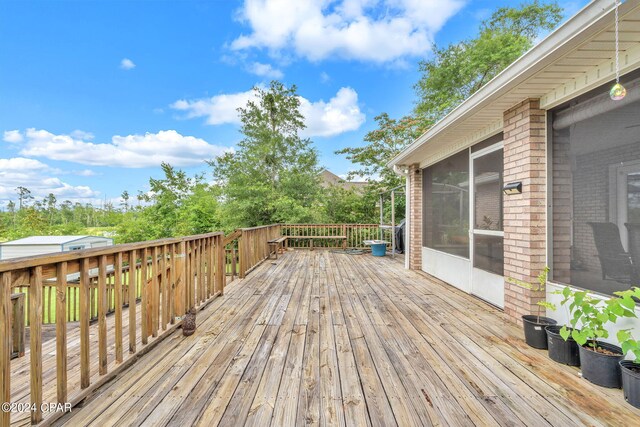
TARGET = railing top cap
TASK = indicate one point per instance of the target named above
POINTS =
(259, 227)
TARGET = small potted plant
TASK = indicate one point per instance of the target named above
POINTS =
(562, 350)
(630, 368)
(599, 360)
(534, 324)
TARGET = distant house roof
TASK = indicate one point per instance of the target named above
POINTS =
(329, 178)
(48, 240)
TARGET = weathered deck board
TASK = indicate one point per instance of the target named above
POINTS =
(330, 339)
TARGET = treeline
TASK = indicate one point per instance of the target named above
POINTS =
(178, 205)
(28, 216)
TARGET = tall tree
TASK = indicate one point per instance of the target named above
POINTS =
(50, 202)
(125, 200)
(273, 176)
(456, 71)
(24, 194)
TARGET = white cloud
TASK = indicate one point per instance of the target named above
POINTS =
(127, 64)
(367, 30)
(12, 136)
(218, 109)
(341, 114)
(265, 70)
(38, 178)
(131, 151)
(80, 134)
(324, 77)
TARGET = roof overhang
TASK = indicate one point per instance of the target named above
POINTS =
(575, 58)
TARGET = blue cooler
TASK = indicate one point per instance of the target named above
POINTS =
(378, 249)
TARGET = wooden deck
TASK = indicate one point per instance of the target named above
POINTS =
(325, 338)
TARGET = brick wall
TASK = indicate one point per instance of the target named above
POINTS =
(415, 233)
(524, 214)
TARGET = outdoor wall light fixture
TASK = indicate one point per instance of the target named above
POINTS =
(512, 188)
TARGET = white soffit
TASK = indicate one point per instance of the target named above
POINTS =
(574, 59)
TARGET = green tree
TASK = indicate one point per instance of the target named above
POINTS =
(349, 206)
(273, 176)
(383, 144)
(31, 222)
(24, 195)
(179, 205)
(125, 200)
(11, 209)
(50, 203)
(456, 71)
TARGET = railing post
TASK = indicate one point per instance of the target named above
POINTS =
(117, 285)
(61, 331)
(102, 315)
(180, 278)
(211, 261)
(172, 284)
(344, 233)
(144, 297)
(242, 254)
(191, 282)
(133, 292)
(221, 265)
(35, 336)
(155, 292)
(84, 323)
(5, 345)
(165, 287)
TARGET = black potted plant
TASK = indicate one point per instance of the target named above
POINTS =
(630, 368)
(599, 360)
(534, 324)
(562, 350)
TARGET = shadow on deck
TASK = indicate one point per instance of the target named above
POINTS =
(321, 337)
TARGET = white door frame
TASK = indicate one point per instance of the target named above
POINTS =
(618, 196)
(479, 278)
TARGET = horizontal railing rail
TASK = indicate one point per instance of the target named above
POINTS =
(333, 236)
(168, 277)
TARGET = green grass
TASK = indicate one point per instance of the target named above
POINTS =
(73, 298)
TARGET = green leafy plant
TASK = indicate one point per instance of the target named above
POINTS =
(592, 314)
(628, 343)
(540, 286)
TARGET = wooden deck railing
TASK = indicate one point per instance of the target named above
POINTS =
(355, 235)
(156, 282)
(170, 277)
(253, 246)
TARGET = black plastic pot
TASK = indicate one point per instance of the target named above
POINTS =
(562, 351)
(599, 368)
(534, 333)
(630, 382)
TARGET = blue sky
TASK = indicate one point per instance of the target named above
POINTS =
(95, 94)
